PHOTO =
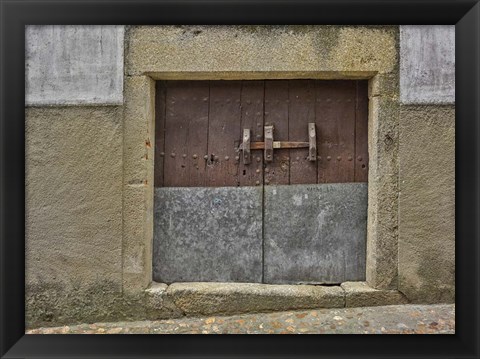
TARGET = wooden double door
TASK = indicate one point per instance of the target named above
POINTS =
(281, 216)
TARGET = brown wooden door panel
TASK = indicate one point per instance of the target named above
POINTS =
(301, 112)
(276, 114)
(252, 101)
(160, 108)
(223, 132)
(199, 127)
(361, 133)
(335, 108)
(186, 130)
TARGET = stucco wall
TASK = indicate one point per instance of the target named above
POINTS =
(66, 64)
(74, 194)
(89, 167)
(426, 241)
(427, 203)
(427, 66)
(73, 199)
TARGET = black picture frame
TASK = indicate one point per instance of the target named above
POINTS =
(16, 14)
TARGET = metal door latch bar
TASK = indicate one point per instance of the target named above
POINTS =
(312, 142)
(246, 146)
(269, 144)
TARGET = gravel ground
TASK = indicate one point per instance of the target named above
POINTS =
(394, 319)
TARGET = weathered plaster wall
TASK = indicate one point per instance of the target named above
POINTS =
(73, 64)
(74, 171)
(427, 65)
(73, 221)
(427, 203)
(74, 194)
(426, 242)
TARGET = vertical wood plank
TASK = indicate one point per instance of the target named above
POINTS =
(301, 112)
(198, 134)
(186, 131)
(276, 114)
(160, 92)
(223, 133)
(361, 133)
(335, 119)
(252, 118)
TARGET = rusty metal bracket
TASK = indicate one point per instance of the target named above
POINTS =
(278, 144)
(268, 143)
(246, 146)
(312, 139)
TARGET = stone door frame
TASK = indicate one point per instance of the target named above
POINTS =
(139, 136)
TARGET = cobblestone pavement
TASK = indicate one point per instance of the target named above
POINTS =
(395, 319)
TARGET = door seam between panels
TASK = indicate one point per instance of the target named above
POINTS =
(263, 193)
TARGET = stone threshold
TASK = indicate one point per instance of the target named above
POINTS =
(212, 298)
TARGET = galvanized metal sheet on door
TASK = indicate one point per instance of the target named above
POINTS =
(315, 233)
(207, 234)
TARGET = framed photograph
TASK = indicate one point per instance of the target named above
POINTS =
(239, 167)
